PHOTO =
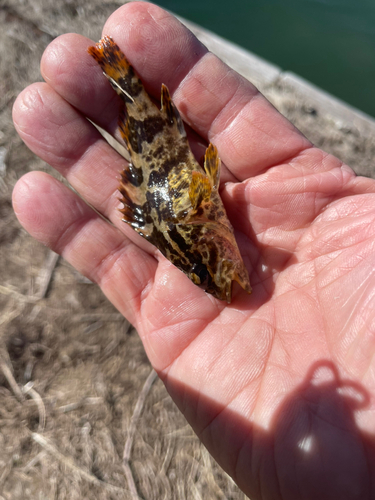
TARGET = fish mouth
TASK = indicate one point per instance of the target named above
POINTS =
(223, 289)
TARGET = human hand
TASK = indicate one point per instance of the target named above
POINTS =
(278, 385)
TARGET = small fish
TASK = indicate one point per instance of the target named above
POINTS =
(168, 198)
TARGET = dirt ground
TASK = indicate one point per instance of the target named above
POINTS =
(81, 413)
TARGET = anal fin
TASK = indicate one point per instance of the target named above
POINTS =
(132, 210)
(132, 175)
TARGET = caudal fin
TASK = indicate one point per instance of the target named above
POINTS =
(117, 69)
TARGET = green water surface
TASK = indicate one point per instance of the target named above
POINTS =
(329, 42)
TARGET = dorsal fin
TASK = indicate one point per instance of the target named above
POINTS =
(170, 110)
(212, 165)
(200, 189)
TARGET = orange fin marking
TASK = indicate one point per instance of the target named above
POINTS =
(117, 69)
(212, 166)
(110, 58)
(199, 190)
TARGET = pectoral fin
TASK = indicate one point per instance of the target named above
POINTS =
(199, 190)
(212, 165)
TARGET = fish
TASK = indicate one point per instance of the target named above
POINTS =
(167, 197)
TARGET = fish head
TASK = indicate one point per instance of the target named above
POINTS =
(217, 264)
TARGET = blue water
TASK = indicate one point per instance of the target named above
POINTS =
(329, 42)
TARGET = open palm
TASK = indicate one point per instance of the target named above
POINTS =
(279, 385)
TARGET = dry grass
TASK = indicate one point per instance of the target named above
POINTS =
(81, 412)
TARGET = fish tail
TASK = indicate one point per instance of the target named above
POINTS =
(118, 70)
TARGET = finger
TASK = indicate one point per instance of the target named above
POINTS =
(73, 73)
(215, 100)
(67, 67)
(62, 137)
(58, 218)
(155, 296)
(219, 104)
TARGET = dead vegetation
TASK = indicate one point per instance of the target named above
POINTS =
(82, 414)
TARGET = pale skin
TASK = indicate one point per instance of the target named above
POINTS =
(278, 385)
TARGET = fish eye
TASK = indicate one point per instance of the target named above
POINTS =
(199, 274)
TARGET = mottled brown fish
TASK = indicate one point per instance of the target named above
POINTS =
(168, 198)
